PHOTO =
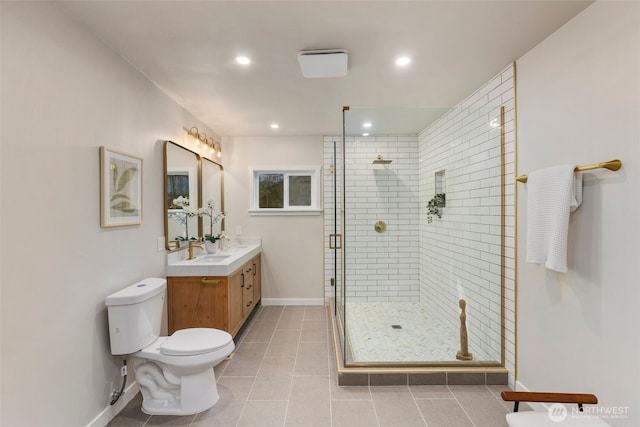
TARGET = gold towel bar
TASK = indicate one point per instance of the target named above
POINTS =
(612, 165)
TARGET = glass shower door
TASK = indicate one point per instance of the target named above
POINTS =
(336, 234)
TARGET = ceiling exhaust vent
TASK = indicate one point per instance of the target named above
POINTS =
(323, 63)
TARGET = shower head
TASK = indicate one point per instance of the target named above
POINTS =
(380, 161)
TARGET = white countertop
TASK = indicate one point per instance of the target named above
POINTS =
(222, 263)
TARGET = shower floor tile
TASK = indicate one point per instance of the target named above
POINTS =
(387, 332)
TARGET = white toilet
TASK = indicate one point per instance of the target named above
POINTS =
(175, 373)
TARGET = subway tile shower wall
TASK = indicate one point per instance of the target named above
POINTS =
(382, 266)
(458, 256)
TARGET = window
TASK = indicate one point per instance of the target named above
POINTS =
(287, 191)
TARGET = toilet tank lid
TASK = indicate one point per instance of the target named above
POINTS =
(138, 292)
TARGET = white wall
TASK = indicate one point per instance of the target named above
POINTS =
(64, 94)
(579, 102)
(292, 256)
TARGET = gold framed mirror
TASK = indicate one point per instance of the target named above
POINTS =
(212, 200)
(181, 195)
(190, 182)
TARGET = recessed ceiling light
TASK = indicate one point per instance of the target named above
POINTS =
(403, 61)
(366, 125)
(243, 60)
(365, 134)
(274, 126)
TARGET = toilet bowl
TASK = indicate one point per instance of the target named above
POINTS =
(175, 373)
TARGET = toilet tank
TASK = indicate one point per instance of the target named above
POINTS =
(135, 315)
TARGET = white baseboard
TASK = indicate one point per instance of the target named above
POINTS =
(292, 301)
(110, 412)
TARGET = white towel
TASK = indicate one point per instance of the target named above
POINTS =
(553, 194)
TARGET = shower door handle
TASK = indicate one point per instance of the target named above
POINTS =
(333, 239)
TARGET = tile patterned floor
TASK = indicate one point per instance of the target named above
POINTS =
(422, 337)
(283, 374)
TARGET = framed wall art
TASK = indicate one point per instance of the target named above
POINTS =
(120, 188)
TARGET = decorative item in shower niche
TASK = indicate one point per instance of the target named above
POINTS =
(434, 207)
(463, 354)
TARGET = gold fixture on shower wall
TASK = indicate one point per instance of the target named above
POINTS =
(381, 161)
(380, 227)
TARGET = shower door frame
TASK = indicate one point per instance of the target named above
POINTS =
(336, 239)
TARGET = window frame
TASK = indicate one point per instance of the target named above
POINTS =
(286, 171)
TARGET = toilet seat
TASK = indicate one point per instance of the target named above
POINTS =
(197, 350)
(194, 341)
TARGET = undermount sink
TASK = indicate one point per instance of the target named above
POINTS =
(211, 259)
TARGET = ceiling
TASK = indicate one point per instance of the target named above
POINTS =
(188, 49)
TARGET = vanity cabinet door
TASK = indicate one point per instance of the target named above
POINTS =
(236, 292)
(247, 294)
(257, 283)
(197, 302)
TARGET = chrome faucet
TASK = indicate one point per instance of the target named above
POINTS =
(192, 244)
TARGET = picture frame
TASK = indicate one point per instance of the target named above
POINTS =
(120, 188)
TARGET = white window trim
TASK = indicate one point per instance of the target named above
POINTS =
(316, 200)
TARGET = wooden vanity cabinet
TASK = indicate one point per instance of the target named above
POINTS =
(197, 302)
(214, 302)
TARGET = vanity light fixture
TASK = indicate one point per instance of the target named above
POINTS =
(274, 126)
(366, 125)
(202, 139)
(208, 144)
(365, 134)
(243, 60)
(194, 133)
